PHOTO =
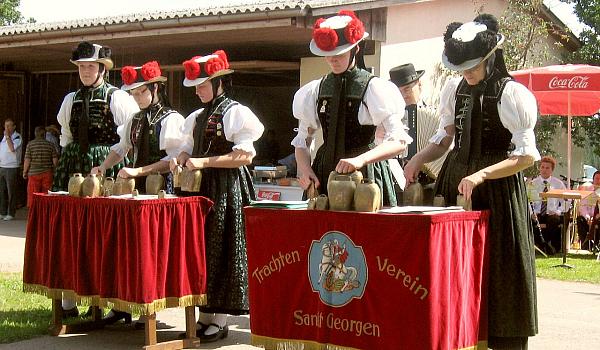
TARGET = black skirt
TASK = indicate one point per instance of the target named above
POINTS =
(512, 294)
(225, 239)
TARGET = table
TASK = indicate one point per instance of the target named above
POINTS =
(127, 254)
(367, 280)
(566, 194)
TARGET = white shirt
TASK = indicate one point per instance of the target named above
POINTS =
(169, 139)
(122, 106)
(517, 109)
(556, 206)
(240, 125)
(9, 159)
(383, 107)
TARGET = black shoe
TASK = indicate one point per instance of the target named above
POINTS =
(200, 328)
(74, 312)
(89, 312)
(221, 334)
(116, 317)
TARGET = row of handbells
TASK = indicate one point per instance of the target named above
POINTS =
(97, 186)
(348, 192)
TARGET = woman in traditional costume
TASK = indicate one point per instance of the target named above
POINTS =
(154, 133)
(90, 116)
(348, 104)
(218, 139)
(490, 118)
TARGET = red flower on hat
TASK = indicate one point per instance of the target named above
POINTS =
(192, 68)
(150, 70)
(318, 23)
(128, 75)
(354, 31)
(325, 38)
(216, 64)
(348, 13)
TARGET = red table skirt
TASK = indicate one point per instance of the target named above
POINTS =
(133, 255)
(343, 280)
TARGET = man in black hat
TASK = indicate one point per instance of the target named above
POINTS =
(422, 120)
(408, 82)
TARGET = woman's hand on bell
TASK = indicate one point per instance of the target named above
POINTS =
(129, 172)
(195, 163)
(307, 178)
(97, 170)
(348, 165)
(411, 170)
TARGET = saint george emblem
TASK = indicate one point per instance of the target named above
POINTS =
(337, 269)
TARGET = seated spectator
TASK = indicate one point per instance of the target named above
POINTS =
(40, 159)
(588, 213)
(549, 212)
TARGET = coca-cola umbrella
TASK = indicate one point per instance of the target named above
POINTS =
(570, 89)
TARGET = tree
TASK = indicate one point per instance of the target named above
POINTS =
(588, 13)
(10, 14)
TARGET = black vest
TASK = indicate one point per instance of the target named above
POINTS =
(145, 134)
(495, 137)
(209, 136)
(357, 137)
(102, 129)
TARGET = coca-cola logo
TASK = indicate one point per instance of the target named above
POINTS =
(576, 82)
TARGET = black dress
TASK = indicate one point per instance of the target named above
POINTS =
(512, 294)
(343, 135)
(225, 236)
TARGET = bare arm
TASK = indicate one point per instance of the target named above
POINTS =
(55, 161)
(110, 160)
(234, 159)
(385, 150)
(499, 170)
(162, 166)
(26, 165)
(430, 153)
(305, 172)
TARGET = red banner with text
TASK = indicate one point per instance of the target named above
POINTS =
(367, 281)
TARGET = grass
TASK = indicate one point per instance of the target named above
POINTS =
(22, 315)
(586, 268)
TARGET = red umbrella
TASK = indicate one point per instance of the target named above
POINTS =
(570, 89)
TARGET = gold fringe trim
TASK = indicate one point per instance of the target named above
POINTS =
(295, 344)
(118, 304)
(481, 345)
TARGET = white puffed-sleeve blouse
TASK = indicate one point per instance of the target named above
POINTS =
(122, 106)
(518, 113)
(383, 107)
(169, 139)
(240, 125)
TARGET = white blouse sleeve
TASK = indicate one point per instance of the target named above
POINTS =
(518, 113)
(170, 134)
(124, 132)
(304, 109)
(63, 118)
(187, 133)
(242, 127)
(384, 107)
(446, 109)
(123, 106)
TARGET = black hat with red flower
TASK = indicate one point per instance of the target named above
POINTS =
(337, 35)
(134, 77)
(199, 69)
